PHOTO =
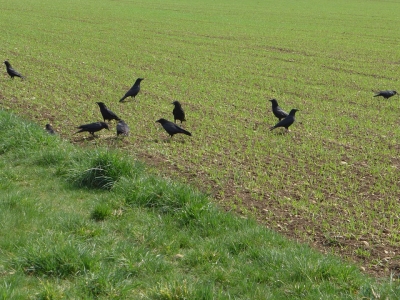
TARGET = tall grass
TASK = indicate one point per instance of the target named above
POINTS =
(101, 169)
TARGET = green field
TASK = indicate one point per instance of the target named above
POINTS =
(333, 181)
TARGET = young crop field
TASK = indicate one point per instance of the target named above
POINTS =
(332, 181)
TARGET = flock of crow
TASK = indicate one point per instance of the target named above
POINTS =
(285, 119)
(122, 128)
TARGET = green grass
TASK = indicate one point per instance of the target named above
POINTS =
(141, 236)
(332, 182)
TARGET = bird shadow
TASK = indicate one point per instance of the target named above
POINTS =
(168, 141)
(127, 101)
(87, 138)
(117, 140)
(281, 132)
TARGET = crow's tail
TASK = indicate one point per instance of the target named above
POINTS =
(186, 132)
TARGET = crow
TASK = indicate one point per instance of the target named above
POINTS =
(12, 72)
(178, 112)
(50, 129)
(122, 128)
(286, 122)
(385, 94)
(106, 113)
(278, 112)
(92, 127)
(134, 90)
(172, 128)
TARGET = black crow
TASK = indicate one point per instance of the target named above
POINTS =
(106, 113)
(172, 128)
(50, 129)
(178, 112)
(385, 94)
(11, 71)
(286, 122)
(278, 112)
(122, 128)
(134, 90)
(92, 127)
